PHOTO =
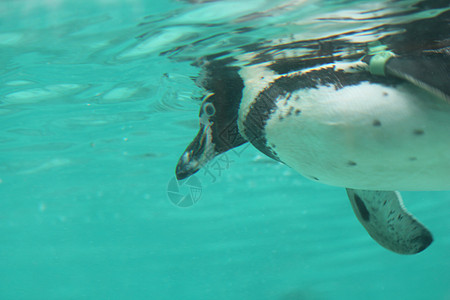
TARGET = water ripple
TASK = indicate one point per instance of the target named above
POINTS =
(176, 92)
(195, 31)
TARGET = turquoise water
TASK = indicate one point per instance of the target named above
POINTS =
(97, 103)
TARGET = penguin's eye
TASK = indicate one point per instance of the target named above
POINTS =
(209, 109)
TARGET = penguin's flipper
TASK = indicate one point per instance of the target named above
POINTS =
(388, 222)
(430, 72)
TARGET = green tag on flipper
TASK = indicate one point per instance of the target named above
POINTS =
(378, 61)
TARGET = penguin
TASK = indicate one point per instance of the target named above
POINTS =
(373, 122)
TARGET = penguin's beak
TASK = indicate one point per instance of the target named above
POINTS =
(199, 152)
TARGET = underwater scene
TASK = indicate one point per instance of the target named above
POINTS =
(223, 149)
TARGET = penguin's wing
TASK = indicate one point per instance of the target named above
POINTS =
(430, 72)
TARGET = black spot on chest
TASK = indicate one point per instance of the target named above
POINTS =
(289, 113)
(418, 132)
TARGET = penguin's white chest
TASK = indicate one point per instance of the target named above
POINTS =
(364, 136)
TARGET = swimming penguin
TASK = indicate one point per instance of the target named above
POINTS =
(373, 123)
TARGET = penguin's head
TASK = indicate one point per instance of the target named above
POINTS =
(218, 133)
